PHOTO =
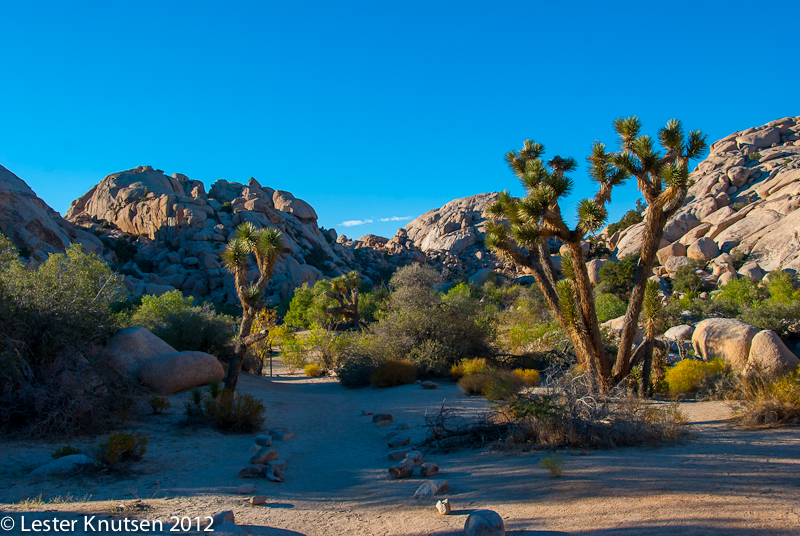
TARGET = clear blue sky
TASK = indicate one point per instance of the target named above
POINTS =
(371, 109)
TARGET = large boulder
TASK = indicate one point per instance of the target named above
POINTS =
(726, 338)
(703, 250)
(615, 326)
(130, 347)
(177, 372)
(679, 333)
(593, 267)
(769, 356)
(676, 249)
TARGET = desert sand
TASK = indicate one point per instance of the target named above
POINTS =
(722, 480)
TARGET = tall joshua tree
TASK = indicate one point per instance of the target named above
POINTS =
(266, 245)
(530, 221)
(663, 180)
(522, 238)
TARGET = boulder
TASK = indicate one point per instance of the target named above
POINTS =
(428, 469)
(443, 507)
(679, 333)
(430, 488)
(769, 356)
(258, 499)
(130, 347)
(725, 338)
(180, 371)
(702, 250)
(593, 267)
(726, 278)
(484, 523)
(676, 249)
(415, 457)
(64, 465)
(264, 455)
(615, 325)
(399, 471)
(674, 264)
(751, 271)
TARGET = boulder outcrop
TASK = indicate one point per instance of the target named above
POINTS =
(725, 338)
(180, 371)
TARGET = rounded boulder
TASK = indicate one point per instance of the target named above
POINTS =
(179, 371)
(769, 356)
(484, 523)
(726, 338)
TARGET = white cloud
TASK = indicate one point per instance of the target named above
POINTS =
(353, 223)
(397, 218)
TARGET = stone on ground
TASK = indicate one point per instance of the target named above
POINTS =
(226, 516)
(769, 356)
(264, 455)
(281, 434)
(264, 440)
(174, 373)
(244, 489)
(254, 471)
(129, 348)
(428, 469)
(726, 338)
(258, 499)
(382, 417)
(273, 473)
(484, 523)
(399, 471)
(402, 426)
(416, 457)
(399, 441)
(430, 488)
(398, 455)
(64, 465)
(430, 385)
(443, 507)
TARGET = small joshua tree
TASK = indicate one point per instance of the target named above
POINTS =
(266, 245)
(344, 290)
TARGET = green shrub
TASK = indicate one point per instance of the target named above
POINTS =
(194, 405)
(66, 450)
(554, 464)
(120, 447)
(739, 257)
(529, 377)
(617, 277)
(686, 279)
(394, 373)
(226, 207)
(686, 375)
(235, 412)
(158, 404)
(355, 368)
(494, 385)
(185, 326)
(307, 307)
(608, 307)
(471, 366)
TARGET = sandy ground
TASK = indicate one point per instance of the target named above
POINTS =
(723, 480)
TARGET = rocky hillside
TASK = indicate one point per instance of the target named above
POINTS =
(744, 196)
(32, 225)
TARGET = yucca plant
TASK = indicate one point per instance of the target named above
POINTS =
(344, 290)
(266, 245)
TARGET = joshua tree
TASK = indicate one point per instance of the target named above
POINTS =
(530, 221)
(266, 245)
(344, 290)
(522, 238)
(651, 311)
(664, 181)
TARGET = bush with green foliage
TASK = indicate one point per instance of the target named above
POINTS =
(185, 326)
(234, 411)
(608, 307)
(54, 378)
(158, 404)
(686, 279)
(393, 373)
(307, 307)
(617, 277)
(119, 448)
(431, 329)
(769, 401)
(355, 368)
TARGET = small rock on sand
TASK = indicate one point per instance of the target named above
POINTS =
(397, 455)
(430, 385)
(402, 426)
(416, 457)
(264, 440)
(443, 507)
(244, 489)
(382, 417)
(400, 472)
(264, 455)
(430, 488)
(254, 471)
(428, 469)
(222, 517)
(258, 499)
(399, 441)
(366, 412)
(383, 423)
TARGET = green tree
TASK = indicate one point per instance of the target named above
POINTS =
(266, 245)
(344, 291)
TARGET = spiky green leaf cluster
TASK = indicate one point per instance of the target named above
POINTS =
(569, 306)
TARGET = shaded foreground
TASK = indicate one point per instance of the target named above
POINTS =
(723, 481)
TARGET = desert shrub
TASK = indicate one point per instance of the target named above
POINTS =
(158, 404)
(554, 464)
(741, 292)
(370, 304)
(529, 377)
(235, 412)
(685, 376)
(318, 258)
(393, 373)
(120, 447)
(617, 277)
(769, 402)
(535, 336)
(66, 450)
(608, 307)
(194, 405)
(567, 413)
(433, 330)
(54, 378)
(226, 207)
(494, 385)
(312, 370)
(185, 326)
(687, 280)
(354, 368)
(474, 384)
(471, 366)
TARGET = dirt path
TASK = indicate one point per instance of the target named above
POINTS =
(723, 481)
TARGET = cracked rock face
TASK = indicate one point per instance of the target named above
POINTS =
(744, 195)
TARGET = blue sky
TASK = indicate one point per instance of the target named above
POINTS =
(377, 109)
